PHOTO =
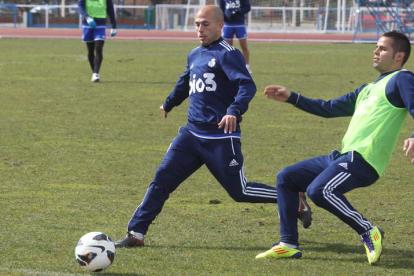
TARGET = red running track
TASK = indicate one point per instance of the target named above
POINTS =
(156, 35)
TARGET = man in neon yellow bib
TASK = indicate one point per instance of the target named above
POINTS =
(94, 14)
(378, 112)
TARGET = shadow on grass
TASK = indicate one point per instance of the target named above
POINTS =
(402, 259)
(119, 274)
(139, 82)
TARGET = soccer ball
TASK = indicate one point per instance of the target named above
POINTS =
(95, 251)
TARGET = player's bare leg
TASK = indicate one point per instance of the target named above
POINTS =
(245, 51)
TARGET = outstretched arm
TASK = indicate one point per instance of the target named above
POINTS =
(339, 107)
(277, 92)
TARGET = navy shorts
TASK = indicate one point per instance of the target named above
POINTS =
(239, 30)
(90, 35)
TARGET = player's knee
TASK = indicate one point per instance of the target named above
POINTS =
(165, 179)
(99, 47)
(161, 176)
(158, 187)
(238, 196)
(99, 54)
(284, 176)
(316, 195)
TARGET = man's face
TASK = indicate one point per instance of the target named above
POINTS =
(385, 60)
(207, 26)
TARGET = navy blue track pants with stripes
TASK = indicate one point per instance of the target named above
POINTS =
(325, 179)
(187, 153)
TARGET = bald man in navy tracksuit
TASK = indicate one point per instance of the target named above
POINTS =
(219, 89)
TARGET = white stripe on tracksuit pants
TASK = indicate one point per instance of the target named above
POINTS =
(187, 153)
(325, 179)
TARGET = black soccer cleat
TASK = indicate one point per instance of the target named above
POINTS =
(304, 213)
(132, 239)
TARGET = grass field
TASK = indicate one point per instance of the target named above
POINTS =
(78, 156)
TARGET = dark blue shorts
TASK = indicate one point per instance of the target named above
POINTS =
(229, 31)
(90, 35)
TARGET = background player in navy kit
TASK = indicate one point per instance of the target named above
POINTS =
(219, 88)
(378, 113)
(234, 24)
(94, 13)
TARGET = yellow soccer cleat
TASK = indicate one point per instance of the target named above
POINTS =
(373, 244)
(280, 251)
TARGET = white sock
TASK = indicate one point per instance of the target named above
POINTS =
(288, 245)
(137, 235)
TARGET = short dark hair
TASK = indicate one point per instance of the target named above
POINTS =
(400, 43)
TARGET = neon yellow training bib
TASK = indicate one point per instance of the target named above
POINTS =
(96, 8)
(375, 126)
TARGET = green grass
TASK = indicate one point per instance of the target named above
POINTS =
(78, 156)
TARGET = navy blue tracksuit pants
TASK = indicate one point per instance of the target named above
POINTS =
(187, 153)
(325, 179)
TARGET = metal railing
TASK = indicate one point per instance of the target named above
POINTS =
(67, 16)
(181, 17)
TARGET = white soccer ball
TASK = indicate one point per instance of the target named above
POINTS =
(95, 251)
